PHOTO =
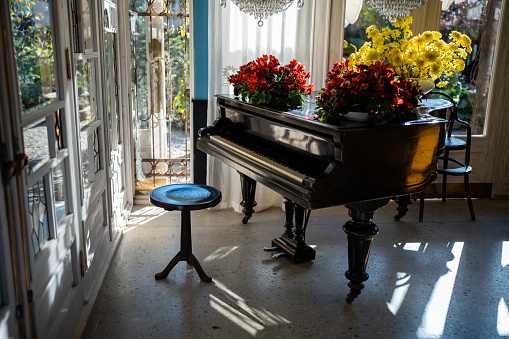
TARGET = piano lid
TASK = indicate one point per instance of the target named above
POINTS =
(306, 117)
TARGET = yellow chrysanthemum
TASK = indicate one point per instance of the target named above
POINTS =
(436, 35)
(465, 40)
(371, 56)
(431, 56)
(365, 47)
(440, 45)
(420, 62)
(453, 46)
(418, 40)
(396, 58)
(459, 65)
(371, 28)
(425, 55)
(427, 36)
(455, 36)
(442, 83)
(403, 21)
(378, 41)
(407, 32)
(411, 55)
(395, 34)
(372, 31)
(435, 70)
(399, 22)
(404, 45)
(352, 62)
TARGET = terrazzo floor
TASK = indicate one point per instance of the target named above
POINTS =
(447, 277)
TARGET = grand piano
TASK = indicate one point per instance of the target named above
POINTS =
(313, 165)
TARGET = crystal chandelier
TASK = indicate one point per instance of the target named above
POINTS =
(394, 8)
(262, 9)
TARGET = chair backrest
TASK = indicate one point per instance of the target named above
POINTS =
(452, 119)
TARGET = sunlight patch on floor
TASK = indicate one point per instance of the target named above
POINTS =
(145, 215)
(503, 318)
(220, 253)
(505, 253)
(129, 228)
(399, 293)
(235, 309)
(412, 246)
(435, 314)
(402, 285)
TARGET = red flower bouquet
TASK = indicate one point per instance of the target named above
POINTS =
(375, 89)
(264, 82)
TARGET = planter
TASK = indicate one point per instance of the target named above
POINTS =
(427, 84)
(357, 116)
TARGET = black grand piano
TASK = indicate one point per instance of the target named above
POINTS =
(316, 165)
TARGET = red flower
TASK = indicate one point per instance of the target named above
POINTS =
(265, 82)
(375, 89)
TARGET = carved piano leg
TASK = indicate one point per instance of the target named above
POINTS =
(289, 218)
(293, 243)
(248, 187)
(288, 229)
(360, 231)
(403, 201)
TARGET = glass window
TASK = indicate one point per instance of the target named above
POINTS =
(477, 19)
(87, 25)
(33, 45)
(38, 210)
(112, 89)
(59, 188)
(355, 34)
(87, 100)
(35, 138)
(97, 152)
(59, 138)
(90, 155)
(85, 162)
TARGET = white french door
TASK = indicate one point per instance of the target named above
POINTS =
(61, 108)
(115, 114)
(45, 265)
(96, 107)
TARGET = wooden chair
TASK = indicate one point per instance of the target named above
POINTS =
(460, 168)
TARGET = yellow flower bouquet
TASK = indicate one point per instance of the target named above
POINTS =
(423, 56)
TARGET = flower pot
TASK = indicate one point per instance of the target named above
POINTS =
(357, 116)
(427, 84)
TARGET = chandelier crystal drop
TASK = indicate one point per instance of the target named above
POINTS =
(393, 9)
(262, 9)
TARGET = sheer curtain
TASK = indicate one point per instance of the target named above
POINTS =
(235, 39)
(313, 35)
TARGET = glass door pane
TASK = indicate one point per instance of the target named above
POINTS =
(33, 45)
(160, 79)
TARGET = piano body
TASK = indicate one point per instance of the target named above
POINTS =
(316, 165)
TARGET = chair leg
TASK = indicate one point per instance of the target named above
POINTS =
(444, 176)
(421, 206)
(469, 199)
